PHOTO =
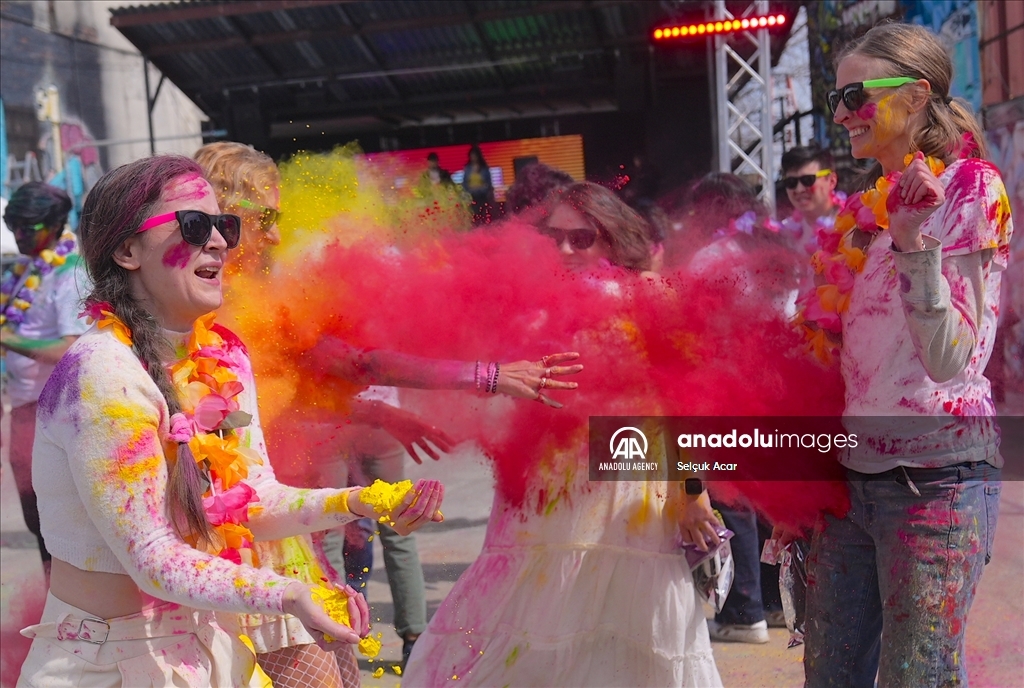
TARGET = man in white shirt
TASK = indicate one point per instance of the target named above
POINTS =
(40, 301)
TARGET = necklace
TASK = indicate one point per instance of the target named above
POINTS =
(841, 255)
(206, 378)
(746, 224)
(794, 224)
(19, 286)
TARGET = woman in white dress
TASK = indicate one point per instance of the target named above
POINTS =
(584, 583)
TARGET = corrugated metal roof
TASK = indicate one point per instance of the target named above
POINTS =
(396, 59)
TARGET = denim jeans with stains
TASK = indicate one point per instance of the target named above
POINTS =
(890, 585)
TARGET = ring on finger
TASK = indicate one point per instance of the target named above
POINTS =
(547, 372)
(544, 361)
(543, 382)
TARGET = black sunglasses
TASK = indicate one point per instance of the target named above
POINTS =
(806, 179)
(580, 239)
(853, 95)
(197, 226)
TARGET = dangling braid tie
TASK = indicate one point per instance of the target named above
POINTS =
(181, 429)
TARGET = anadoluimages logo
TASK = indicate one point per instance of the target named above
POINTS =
(628, 447)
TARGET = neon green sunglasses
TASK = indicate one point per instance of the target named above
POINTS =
(268, 216)
(853, 95)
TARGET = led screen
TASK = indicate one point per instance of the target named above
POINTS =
(562, 152)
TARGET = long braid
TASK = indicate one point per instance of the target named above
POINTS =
(115, 207)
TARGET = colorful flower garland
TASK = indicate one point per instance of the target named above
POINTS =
(208, 387)
(745, 224)
(13, 305)
(841, 256)
(794, 224)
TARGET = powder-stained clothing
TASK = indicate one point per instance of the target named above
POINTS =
(584, 585)
(920, 329)
(165, 645)
(101, 476)
(54, 314)
(56, 305)
(905, 562)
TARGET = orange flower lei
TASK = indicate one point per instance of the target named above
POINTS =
(839, 259)
(103, 315)
(208, 387)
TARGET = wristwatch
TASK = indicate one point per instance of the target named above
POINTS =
(693, 486)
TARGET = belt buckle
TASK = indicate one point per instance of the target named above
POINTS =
(86, 635)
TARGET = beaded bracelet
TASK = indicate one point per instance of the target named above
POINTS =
(493, 382)
(476, 377)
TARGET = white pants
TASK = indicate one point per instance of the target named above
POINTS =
(168, 645)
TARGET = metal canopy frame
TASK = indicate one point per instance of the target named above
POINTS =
(749, 115)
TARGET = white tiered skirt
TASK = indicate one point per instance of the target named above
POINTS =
(590, 590)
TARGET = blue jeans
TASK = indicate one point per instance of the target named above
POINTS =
(744, 604)
(901, 564)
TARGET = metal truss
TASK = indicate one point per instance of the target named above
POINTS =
(745, 140)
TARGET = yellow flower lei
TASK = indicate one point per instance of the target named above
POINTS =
(13, 305)
(207, 386)
(838, 260)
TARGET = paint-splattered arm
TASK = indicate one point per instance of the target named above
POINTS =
(119, 469)
(943, 299)
(284, 511)
(389, 368)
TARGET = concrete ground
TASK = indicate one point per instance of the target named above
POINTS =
(995, 642)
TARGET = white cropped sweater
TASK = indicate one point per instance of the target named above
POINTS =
(100, 475)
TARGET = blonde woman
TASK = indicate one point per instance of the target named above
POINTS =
(915, 338)
(248, 182)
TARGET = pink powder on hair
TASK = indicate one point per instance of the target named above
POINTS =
(178, 256)
(188, 187)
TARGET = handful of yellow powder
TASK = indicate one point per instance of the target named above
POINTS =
(335, 603)
(385, 497)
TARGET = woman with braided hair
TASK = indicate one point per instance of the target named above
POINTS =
(150, 465)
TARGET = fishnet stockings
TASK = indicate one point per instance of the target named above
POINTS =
(305, 666)
(349, 667)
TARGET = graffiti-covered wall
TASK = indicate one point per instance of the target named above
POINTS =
(98, 80)
(834, 23)
(34, 59)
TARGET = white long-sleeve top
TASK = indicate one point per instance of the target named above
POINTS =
(100, 475)
(920, 329)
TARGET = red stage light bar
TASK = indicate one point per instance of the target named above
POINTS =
(711, 28)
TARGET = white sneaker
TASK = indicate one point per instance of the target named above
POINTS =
(739, 633)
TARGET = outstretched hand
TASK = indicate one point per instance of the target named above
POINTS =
(421, 506)
(412, 431)
(529, 379)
